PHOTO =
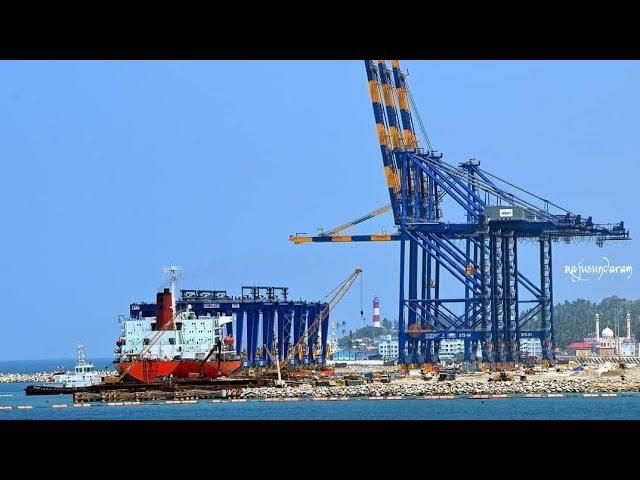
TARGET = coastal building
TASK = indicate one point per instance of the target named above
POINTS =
(388, 348)
(449, 348)
(581, 349)
(628, 348)
(343, 355)
(531, 347)
(605, 343)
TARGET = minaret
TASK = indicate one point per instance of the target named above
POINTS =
(628, 325)
(597, 326)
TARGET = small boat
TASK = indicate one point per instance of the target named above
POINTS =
(84, 374)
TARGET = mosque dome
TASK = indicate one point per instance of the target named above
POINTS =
(607, 333)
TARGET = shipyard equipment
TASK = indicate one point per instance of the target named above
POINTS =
(480, 255)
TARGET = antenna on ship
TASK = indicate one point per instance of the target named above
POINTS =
(174, 272)
(80, 350)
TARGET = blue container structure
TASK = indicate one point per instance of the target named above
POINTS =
(261, 314)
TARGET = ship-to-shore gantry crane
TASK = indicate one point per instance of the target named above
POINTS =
(480, 254)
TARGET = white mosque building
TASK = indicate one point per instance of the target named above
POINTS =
(606, 344)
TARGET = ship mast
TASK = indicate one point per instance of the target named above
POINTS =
(174, 272)
(81, 357)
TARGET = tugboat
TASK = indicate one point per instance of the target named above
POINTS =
(84, 375)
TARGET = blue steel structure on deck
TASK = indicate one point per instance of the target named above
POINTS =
(257, 313)
(480, 254)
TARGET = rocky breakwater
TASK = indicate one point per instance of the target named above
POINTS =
(447, 388)
(36, 377)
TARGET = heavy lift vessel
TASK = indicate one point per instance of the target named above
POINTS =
(202, 334)
(175, 343)
(480, 255)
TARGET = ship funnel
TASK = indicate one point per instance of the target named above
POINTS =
(164, 310)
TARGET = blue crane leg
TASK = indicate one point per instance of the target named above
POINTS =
(413, 277)
(264, 324)
(269, 312)
(516, 304)
(256, 327)
(280, 313)
(250, 342)
(552, 354)
(424, 286)
(298, 320)
(288, 325)
(239, 330)
(402, 340)
(325, 338)
(467, 294)
(310, 316)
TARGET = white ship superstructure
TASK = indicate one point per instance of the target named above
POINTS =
(193, 337)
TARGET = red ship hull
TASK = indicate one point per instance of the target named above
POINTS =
(148, 371)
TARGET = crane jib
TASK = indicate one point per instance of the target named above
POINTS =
(342, 289)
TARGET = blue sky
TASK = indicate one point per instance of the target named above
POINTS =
(111, 170)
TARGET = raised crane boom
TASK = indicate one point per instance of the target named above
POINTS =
(375, 213)
(340, 292)
(333, 235)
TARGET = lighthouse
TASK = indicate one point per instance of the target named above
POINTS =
(376, 312)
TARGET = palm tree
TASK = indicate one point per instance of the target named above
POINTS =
(386, 324)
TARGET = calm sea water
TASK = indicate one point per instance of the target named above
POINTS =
(623, 407)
